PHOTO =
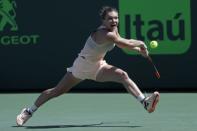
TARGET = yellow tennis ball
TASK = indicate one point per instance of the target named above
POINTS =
(153, 44)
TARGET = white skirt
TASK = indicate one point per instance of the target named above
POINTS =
(84, 69)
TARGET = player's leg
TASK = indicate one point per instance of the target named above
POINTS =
(67, 82)
(114, 74)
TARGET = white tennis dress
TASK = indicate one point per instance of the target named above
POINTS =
(91, 59)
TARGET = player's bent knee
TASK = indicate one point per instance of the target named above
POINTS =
(123, 75)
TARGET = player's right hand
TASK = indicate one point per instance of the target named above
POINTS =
(144, 52)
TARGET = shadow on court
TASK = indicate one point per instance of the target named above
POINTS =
(73, 126)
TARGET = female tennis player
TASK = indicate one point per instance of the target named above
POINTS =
(90, 64)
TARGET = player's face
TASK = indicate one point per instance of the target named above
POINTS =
(111, 20)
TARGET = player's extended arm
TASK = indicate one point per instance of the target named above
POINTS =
(130, 44)
(125, 43)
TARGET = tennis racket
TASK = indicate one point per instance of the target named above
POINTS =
(155, 68)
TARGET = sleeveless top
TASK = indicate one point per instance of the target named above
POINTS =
(94, 52)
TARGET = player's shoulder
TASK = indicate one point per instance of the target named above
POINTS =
(111, 35)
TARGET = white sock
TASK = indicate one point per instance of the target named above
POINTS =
(141, 97)
(32, 109)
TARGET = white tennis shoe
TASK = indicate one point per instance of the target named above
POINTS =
(151, 101)
(23, 117)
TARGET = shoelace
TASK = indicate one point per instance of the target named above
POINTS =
(146, 104)
(25, 114)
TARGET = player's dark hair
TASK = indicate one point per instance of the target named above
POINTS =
(105, 9)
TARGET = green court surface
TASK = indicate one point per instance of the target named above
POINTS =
(101, 112)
